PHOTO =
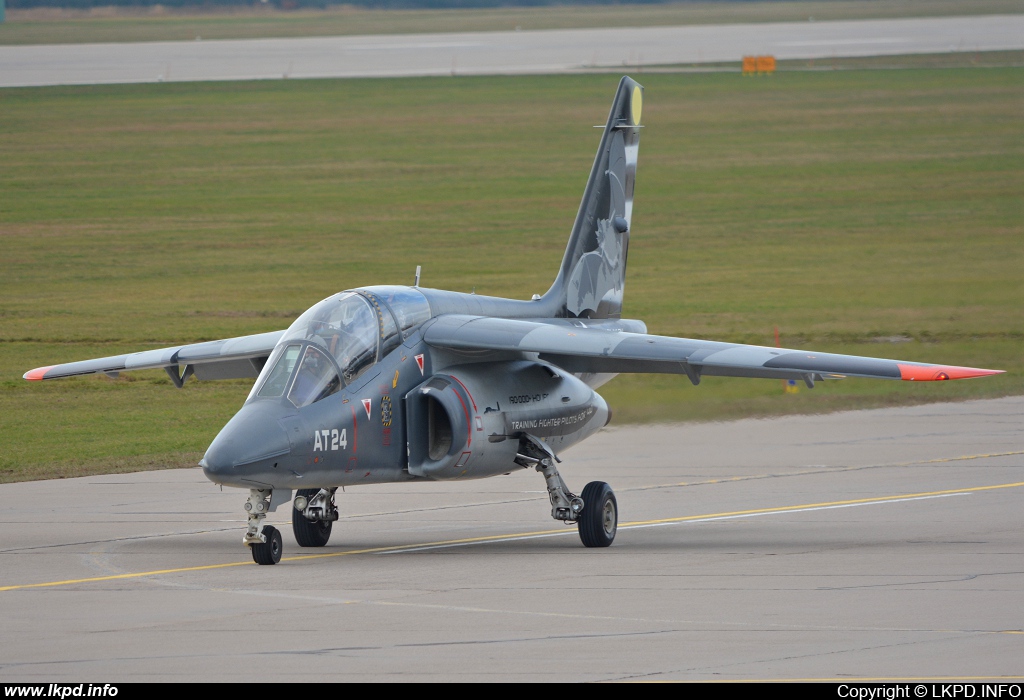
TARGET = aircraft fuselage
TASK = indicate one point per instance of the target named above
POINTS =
(417, 413)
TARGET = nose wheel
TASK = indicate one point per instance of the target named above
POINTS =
(268, 552)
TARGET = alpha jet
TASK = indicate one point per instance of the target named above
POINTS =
(394, 384)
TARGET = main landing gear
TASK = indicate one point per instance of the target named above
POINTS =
(595, 511)
(313, 514)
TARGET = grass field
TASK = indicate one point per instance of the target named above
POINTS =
(870, 212)
(51, 26)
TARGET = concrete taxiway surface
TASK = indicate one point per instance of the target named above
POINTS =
(496, 53)
(883, 543)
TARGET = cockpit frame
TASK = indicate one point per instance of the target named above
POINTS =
(337, 341)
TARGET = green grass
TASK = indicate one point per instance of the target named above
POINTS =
(848, 208)
(47, 26)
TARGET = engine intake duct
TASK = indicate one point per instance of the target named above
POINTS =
(438, 414)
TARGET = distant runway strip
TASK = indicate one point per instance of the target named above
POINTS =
(496, 53)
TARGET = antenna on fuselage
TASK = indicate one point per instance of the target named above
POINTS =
(417, 282)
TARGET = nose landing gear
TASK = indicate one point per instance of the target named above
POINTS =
(264, 540)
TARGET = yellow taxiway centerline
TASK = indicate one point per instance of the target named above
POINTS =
(831, 504)
(530, 535)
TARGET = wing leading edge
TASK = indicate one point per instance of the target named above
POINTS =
(232, 358)
(612, 347)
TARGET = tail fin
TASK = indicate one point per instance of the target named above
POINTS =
(591, 280)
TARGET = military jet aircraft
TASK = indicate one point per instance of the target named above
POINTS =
(394, 384)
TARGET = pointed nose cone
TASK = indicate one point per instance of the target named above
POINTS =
(249, 447)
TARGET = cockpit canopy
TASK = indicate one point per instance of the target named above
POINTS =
(336, 341)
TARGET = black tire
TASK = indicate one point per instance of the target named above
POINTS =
(269, 552)
(309, 533)
(600, 517)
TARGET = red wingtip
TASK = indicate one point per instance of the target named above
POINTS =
(36, 375)
(937, 373)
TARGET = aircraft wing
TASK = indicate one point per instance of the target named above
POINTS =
(609, 346)
(233, 358)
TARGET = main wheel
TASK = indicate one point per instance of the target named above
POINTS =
(309, 533)
(600, 517)
(268, 552)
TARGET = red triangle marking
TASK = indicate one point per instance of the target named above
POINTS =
(419, 363)
(368, 405)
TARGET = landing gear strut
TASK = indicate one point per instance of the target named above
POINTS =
(263, 540)
(565, 505)
(595, 512)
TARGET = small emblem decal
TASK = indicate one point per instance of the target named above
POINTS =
(394, 382)
(368, 405)
(419, 363)
(385, 419)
